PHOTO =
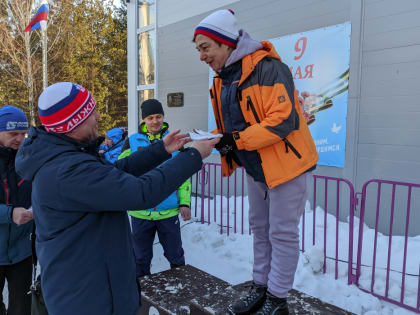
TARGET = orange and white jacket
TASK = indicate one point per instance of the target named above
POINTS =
(276, 128)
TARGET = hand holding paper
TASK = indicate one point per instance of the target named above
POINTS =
(203, 135)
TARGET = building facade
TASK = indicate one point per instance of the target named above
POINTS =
(383, 129)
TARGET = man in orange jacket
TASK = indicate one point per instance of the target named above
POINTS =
(256, 108)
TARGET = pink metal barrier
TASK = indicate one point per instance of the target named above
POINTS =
(224, 202)
(337, 184)
(403, 196)
(215, 194)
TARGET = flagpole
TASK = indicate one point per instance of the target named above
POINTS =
(44, 58)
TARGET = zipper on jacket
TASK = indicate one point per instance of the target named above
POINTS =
(8, 243)
(249, 105)
(6, 190)
(218, 121)
(239, 95)
(289, 145)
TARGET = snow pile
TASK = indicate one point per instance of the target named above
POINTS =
(315, 258)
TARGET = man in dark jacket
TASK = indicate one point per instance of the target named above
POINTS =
(80, 201)
(15, 219)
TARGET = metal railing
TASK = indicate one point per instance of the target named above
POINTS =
(216, 193)
(391, 267)
(337, 183)
(221, 200)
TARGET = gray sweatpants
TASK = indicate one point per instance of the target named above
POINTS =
(274, 219)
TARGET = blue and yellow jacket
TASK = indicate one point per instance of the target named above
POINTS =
(181, 197)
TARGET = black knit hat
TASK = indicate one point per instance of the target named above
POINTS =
(151, 107)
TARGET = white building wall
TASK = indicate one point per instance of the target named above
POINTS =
(170, 11)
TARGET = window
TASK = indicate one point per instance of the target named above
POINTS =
(146, 30)
(147, 13)
(147, 57)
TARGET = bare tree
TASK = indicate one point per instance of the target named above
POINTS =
(16, 45)
(22, 50)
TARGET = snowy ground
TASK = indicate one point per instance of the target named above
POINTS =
(230, 258)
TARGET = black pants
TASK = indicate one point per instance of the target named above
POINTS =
(169, 233)
(19, 277)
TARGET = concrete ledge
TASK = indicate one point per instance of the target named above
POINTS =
(188, 290)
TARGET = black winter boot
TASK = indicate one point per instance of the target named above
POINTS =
(273, 305)
(250, 303)
(176, 266)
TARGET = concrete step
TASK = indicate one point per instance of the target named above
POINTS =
(188, 290)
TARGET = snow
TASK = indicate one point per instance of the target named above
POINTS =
(230, 257)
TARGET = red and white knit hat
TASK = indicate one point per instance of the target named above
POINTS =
(63, 106)
(220, 26)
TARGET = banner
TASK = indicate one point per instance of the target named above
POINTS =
(319, 62)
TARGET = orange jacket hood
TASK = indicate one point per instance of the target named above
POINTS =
(250, 61)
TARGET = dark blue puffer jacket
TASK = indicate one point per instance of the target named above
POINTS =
(15, 245)
(83, 234)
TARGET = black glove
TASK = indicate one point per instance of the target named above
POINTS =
(226, 144)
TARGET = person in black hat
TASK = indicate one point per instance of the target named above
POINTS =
(163, 218)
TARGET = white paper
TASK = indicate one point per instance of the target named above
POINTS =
(202, 135)
(30, 208)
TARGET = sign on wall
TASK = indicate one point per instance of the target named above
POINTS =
(319, 62)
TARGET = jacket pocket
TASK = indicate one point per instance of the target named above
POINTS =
(250, 105)
(292, 148)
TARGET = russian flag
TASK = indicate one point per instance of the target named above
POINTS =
(40, 18)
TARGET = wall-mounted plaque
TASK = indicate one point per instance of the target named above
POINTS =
(175, 99)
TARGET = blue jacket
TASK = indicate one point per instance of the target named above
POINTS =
(141, 140)
(83, 234)
(112, 153)
(15, 245)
